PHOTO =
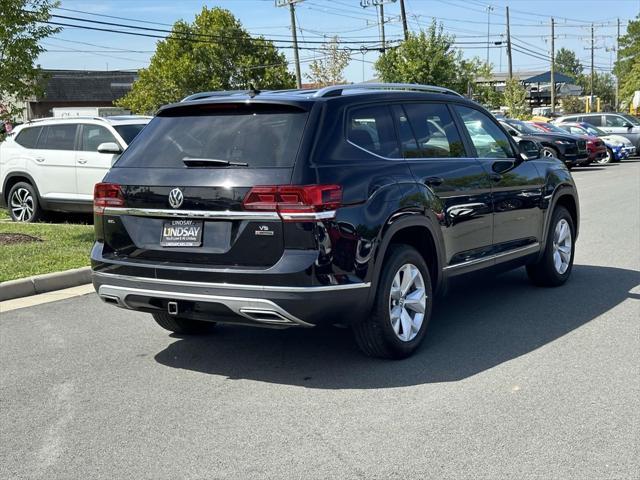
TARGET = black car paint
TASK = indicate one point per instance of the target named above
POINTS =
(570, 154)
(458, 211)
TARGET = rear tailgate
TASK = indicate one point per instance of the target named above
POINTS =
(178, 208)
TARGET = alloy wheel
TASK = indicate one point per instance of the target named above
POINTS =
(562, 245)
(22, 205)
(407, 302)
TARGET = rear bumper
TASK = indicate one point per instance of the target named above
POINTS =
(275, 306)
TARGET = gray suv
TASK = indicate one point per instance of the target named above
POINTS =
(613, 123)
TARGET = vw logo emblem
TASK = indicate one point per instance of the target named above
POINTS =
(176, 198)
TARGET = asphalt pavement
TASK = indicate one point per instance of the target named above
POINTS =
(514, 382)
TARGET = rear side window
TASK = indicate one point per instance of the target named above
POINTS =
(93, 136)
(259, 135)
(434, 130)
(371, 129)
(595, 120)
(58, 137)
(28, 137)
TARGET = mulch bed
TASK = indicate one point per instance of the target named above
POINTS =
(14, 238)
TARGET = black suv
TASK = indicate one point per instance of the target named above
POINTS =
(571, 149)
(349, 204)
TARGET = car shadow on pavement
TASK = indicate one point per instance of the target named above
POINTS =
(481, 323)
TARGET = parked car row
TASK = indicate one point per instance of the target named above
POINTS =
(54, 163)
(577, 142)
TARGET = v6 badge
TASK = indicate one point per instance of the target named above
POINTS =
(264, 231)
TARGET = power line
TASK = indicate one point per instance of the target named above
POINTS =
(193, 34)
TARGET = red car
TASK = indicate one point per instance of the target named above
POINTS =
(595, 146)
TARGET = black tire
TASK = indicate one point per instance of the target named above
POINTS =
(23, 204)
(544, 272)
(183, 325)
(375, 335)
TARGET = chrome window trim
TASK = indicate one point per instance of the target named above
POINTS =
(475, 261)
(233, 286)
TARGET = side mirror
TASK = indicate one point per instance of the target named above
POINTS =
(109, 147)
(513, 133)
(628, 125)
(529, 150)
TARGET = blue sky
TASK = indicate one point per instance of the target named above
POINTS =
(467, 19)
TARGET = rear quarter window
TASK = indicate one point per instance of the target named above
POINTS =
(260, 135)
(371, 128)
(58, 137)
(28, 137)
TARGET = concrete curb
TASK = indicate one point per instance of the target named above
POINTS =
(49, 282)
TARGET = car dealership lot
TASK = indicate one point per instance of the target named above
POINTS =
(512, 382)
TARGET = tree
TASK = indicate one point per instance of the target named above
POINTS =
(428, 57)
(603, 85)
(627, 68)
(487, 94)
(20, 33)
(567, 62)
(213, 53)
(572, 105)
(515, 98)
(329, 69)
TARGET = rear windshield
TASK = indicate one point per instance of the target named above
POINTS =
(129, 132)
(258, 135)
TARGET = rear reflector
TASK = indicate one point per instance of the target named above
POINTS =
(294, 202)
(107, 195)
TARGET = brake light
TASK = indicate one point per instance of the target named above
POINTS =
(295, 202)
(107, 195)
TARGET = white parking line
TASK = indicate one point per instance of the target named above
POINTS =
(48, 297)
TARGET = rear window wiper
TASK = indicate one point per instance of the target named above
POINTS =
(212, 162)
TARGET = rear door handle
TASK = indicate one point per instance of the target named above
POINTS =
(39, 159)
(433, 181)
(82, 161)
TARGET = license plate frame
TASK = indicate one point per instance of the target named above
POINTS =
(182, 233)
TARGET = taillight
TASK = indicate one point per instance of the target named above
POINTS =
(107, 195)
(295, 202)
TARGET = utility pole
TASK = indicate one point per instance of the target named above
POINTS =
(509, 47)
(592, 68)
(617, 106)
(553, 67)
(381, 21)
(381, 10)
(489, 10)
(405, 28)
(294, 33)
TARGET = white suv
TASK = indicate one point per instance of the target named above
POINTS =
(53, 164)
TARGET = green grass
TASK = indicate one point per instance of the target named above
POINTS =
(63, 246)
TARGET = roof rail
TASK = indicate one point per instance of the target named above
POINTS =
(217, 93)
(78, 117)
(336, 90)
